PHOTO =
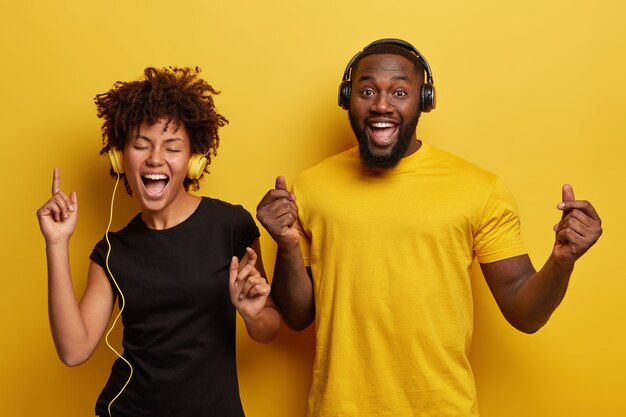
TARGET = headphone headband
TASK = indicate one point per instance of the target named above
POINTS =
(428, 88)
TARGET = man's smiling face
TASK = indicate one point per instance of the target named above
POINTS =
(385, 108)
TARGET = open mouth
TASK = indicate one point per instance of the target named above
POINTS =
(154, 184)
(382, 134)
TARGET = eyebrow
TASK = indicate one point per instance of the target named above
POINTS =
(394, 78)
(169, 140)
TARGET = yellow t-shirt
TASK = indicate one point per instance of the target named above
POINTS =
(390, 255)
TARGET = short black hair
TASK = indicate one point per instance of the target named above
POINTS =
(392, 49)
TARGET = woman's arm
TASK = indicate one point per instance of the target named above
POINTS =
(249, 293)
(76, 327)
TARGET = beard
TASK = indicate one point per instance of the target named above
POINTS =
(387, 161)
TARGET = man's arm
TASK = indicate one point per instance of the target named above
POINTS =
(527, 298)
(292, 288)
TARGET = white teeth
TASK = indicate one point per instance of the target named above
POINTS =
(382, 125)
(155, 176)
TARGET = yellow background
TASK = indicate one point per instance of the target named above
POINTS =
(532, 90)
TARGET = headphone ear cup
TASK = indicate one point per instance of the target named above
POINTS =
(344, 94)
(429, 99)
(196, 166)
(117, 160)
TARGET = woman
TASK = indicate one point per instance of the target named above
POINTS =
(174, 268)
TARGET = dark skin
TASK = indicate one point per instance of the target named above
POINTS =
(385, 88)
(527, 298)
(291, 284)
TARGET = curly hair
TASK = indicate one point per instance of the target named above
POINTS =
(176, 94)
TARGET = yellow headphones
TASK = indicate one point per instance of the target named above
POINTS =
(195, 168)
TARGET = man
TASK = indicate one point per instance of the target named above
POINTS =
(378, 246)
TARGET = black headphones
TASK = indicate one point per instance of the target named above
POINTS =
(428, 98)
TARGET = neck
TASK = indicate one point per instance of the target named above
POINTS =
(174, 213)
(414, 146)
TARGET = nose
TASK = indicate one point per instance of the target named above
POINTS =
(155, 158)
(382, 104)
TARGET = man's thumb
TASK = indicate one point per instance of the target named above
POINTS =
(281, 184)
(568, 193)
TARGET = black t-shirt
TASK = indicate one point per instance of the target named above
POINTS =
(179, 323)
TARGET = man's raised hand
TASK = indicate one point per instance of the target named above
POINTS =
(278, 214)
(579, 229)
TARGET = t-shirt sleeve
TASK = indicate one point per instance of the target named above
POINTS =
(305, 244)
(300, 225)
(246, 231)
(498, 234)
(99, 253)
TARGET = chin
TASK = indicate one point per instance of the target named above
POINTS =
(389, 157)
(152, 205)
(380, 160)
